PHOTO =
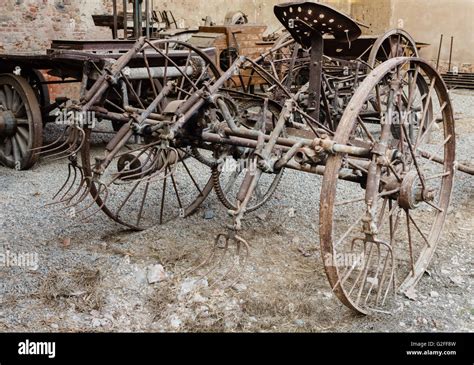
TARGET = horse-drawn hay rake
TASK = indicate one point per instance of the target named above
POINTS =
(378, 127)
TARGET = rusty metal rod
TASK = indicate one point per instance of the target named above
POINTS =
(344, 174)
(461, 167)
(451, 53)
(439, 52)
(125, 22)
(115, 26)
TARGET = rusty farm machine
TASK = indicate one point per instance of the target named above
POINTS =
(367, 114)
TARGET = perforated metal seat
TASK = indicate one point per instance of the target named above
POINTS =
(302, 19)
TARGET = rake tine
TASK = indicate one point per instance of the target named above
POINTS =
(71, 150)
(44, 149)
(94, 199)
(104, 199)
(219, 262)
(67, 200)
(247, 255)
(71, 196)
(210, 257)
(238, 242)
(69, 166)
(63, 200)
(87, 190)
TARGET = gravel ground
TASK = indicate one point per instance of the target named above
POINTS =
(95, 276)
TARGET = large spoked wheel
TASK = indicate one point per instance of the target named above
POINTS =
(139, 180)
(394, 43)
(379, 238)
(37, 81)
(397, 43)
(236, 161)
(145, 186)
(21, 124)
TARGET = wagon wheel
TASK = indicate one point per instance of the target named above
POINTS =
(147, 181)
(397, 43)
(394, 43)
(20, 123)
(36, 80)
(229, 175)
(401, 213)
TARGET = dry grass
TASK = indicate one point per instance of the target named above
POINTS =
(162, 297)
(79, 287)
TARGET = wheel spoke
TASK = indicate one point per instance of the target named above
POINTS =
(181, 159)
(3, 100)
(24, 133)
(8, 96)
(16, 150)
(175, 188)
(418, 229)
(8, 148)
(23, 147)
(410, 244)
(344, 236)
(163, 195)
(140, 211)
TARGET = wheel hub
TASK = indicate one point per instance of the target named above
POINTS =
(411, 192)
(8, 125)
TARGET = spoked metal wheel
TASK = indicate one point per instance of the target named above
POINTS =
(379, 238)
(141, 180)
(394, 43)
(144, 186)
(236, 161)
(21, 124)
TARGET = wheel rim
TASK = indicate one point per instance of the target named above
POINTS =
(229, 175)
(396, 256)
(111, 188)
(394, 43)
(20, 123)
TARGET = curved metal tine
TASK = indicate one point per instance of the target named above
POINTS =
(44, 149)
(212, 255)
(68, 199)
(68, 153)
(129, 163)
(130, 177)
(82, 197)
(156, 176)
(238, 241)
(70, 138)
(62, 200)
(95, 198)
(375, 275)
(166, 166)
(104, 200)
(382, 280)
(69, 166)
(137, 149)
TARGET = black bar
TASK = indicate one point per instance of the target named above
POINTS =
(318, 348)
(115, 28)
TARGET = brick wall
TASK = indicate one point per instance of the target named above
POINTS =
(28, 26)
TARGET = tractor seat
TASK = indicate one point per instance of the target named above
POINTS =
(302, 19)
